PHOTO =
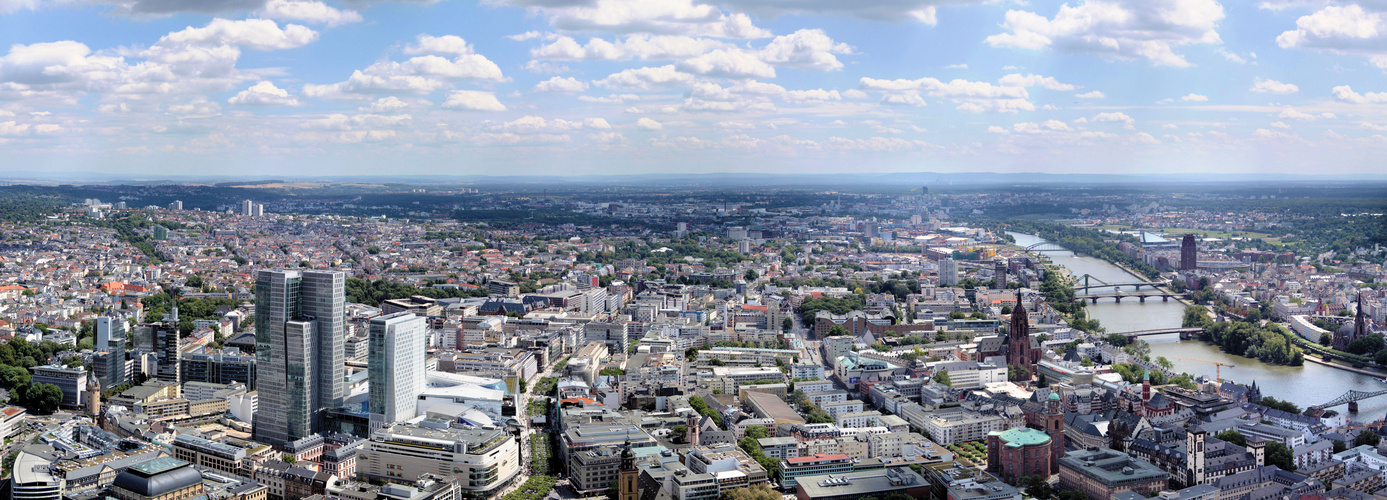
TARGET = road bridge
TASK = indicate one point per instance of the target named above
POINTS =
(1185, 333)
(1119, 295)
(1351, 398)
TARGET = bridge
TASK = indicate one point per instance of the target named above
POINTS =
(1136, 284)
(1046, 246)
(1118, 296)
(1185, 333)
(1351, 398)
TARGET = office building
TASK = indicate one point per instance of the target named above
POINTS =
(793, 468)
(396, 366)
(1189, 253)
(108, 332)
(948, 272)
(219, 367)
(1102, 473)
(164, 340)
(999, 270)
(871, 483)
(163, 478)
(418, 304)
(483, 458)
(72, 381)
(299, 351)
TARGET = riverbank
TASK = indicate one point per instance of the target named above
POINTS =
(1362, 371)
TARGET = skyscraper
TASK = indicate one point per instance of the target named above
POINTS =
(109, 329)
(948, 272)
(299, 351)
(396, 366)
(247, 207)
(1189, 253)
(164, 340)
(1000, 270)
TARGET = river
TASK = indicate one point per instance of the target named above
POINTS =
(1306, 385)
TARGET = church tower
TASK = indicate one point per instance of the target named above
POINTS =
(1360, 321)
(93, 395)
(626, 476)
(1054, 426)
(1019, 338)
(691, 430)
(1194, 451)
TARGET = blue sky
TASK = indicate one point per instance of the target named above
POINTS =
(504, 87)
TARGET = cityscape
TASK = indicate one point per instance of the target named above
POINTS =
(637, 341)
(693, 250)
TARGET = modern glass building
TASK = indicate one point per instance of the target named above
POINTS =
(299, 351)
(396, 366)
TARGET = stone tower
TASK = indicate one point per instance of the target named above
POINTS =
(626, 475)
(1054, 426)
(93, 395)
(1194, 453)
(691, 432)
(1019, 352)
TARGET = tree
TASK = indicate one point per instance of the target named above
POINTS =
(1164, 363)
(943, 378)
(1006, 310)
(679, 433)
(43, 398)
(1367, 437)
(1036, 487)
(837, 330)
(787, 324)
(1285, 406)
(1280, 455)
(751, 275)
(1339, 446)
(1232, 436)
(760, 491)
(194, 281)
(1326, 339)
(1367, 345)
(756, 432)
(1118, 339)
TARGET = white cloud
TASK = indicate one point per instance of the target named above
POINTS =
(473, 100)
(309, 11)
(728, 64)
(1341, 29)
(1046, 82)
(646, 78)
(260, 34)
(638, 46)
(993, 129)
(264, 92)
(957, 66)
(920, 11)
(1117, 29)
(813, 95)
(973, 97)
(1294, 114)
(1346, 94)
(1274, 87)
(1144, 138)
(1057, 125)
(528, 35)
(561, 84)
(422, 74)
(1116, 116)
(1091, 95)
(661, 17)
(13, 128)
(1280, 124)
(1195, 98)
(388, 104)
(545, 67)
(1374, 126)
(446, 44)
(806, 48)
(649, 124)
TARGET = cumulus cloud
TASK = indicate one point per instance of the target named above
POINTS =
(1273, 87)
(1341, 29)
(646, 78)
(1046, 82)
(561, 84)
(473, 100)
(260, 34)
(1346, 94)
(638, 46)
(649, 124)
(421, 74)
(1116, 117)
(1195, 98)
(263, 93)
(1117, 29)
(920, 11)
(1091, 95)
(661, 17)
(389, 104)
(308, 11)
(971, 96)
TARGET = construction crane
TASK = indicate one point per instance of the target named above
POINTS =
(1218, 367)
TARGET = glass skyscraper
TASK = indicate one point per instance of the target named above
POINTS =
(395, 365)
(299, 351)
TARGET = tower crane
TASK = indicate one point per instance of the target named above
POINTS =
(1218, 367)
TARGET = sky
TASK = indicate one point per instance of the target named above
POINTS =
(288, 88)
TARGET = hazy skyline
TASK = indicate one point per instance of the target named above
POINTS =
(561, 87)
